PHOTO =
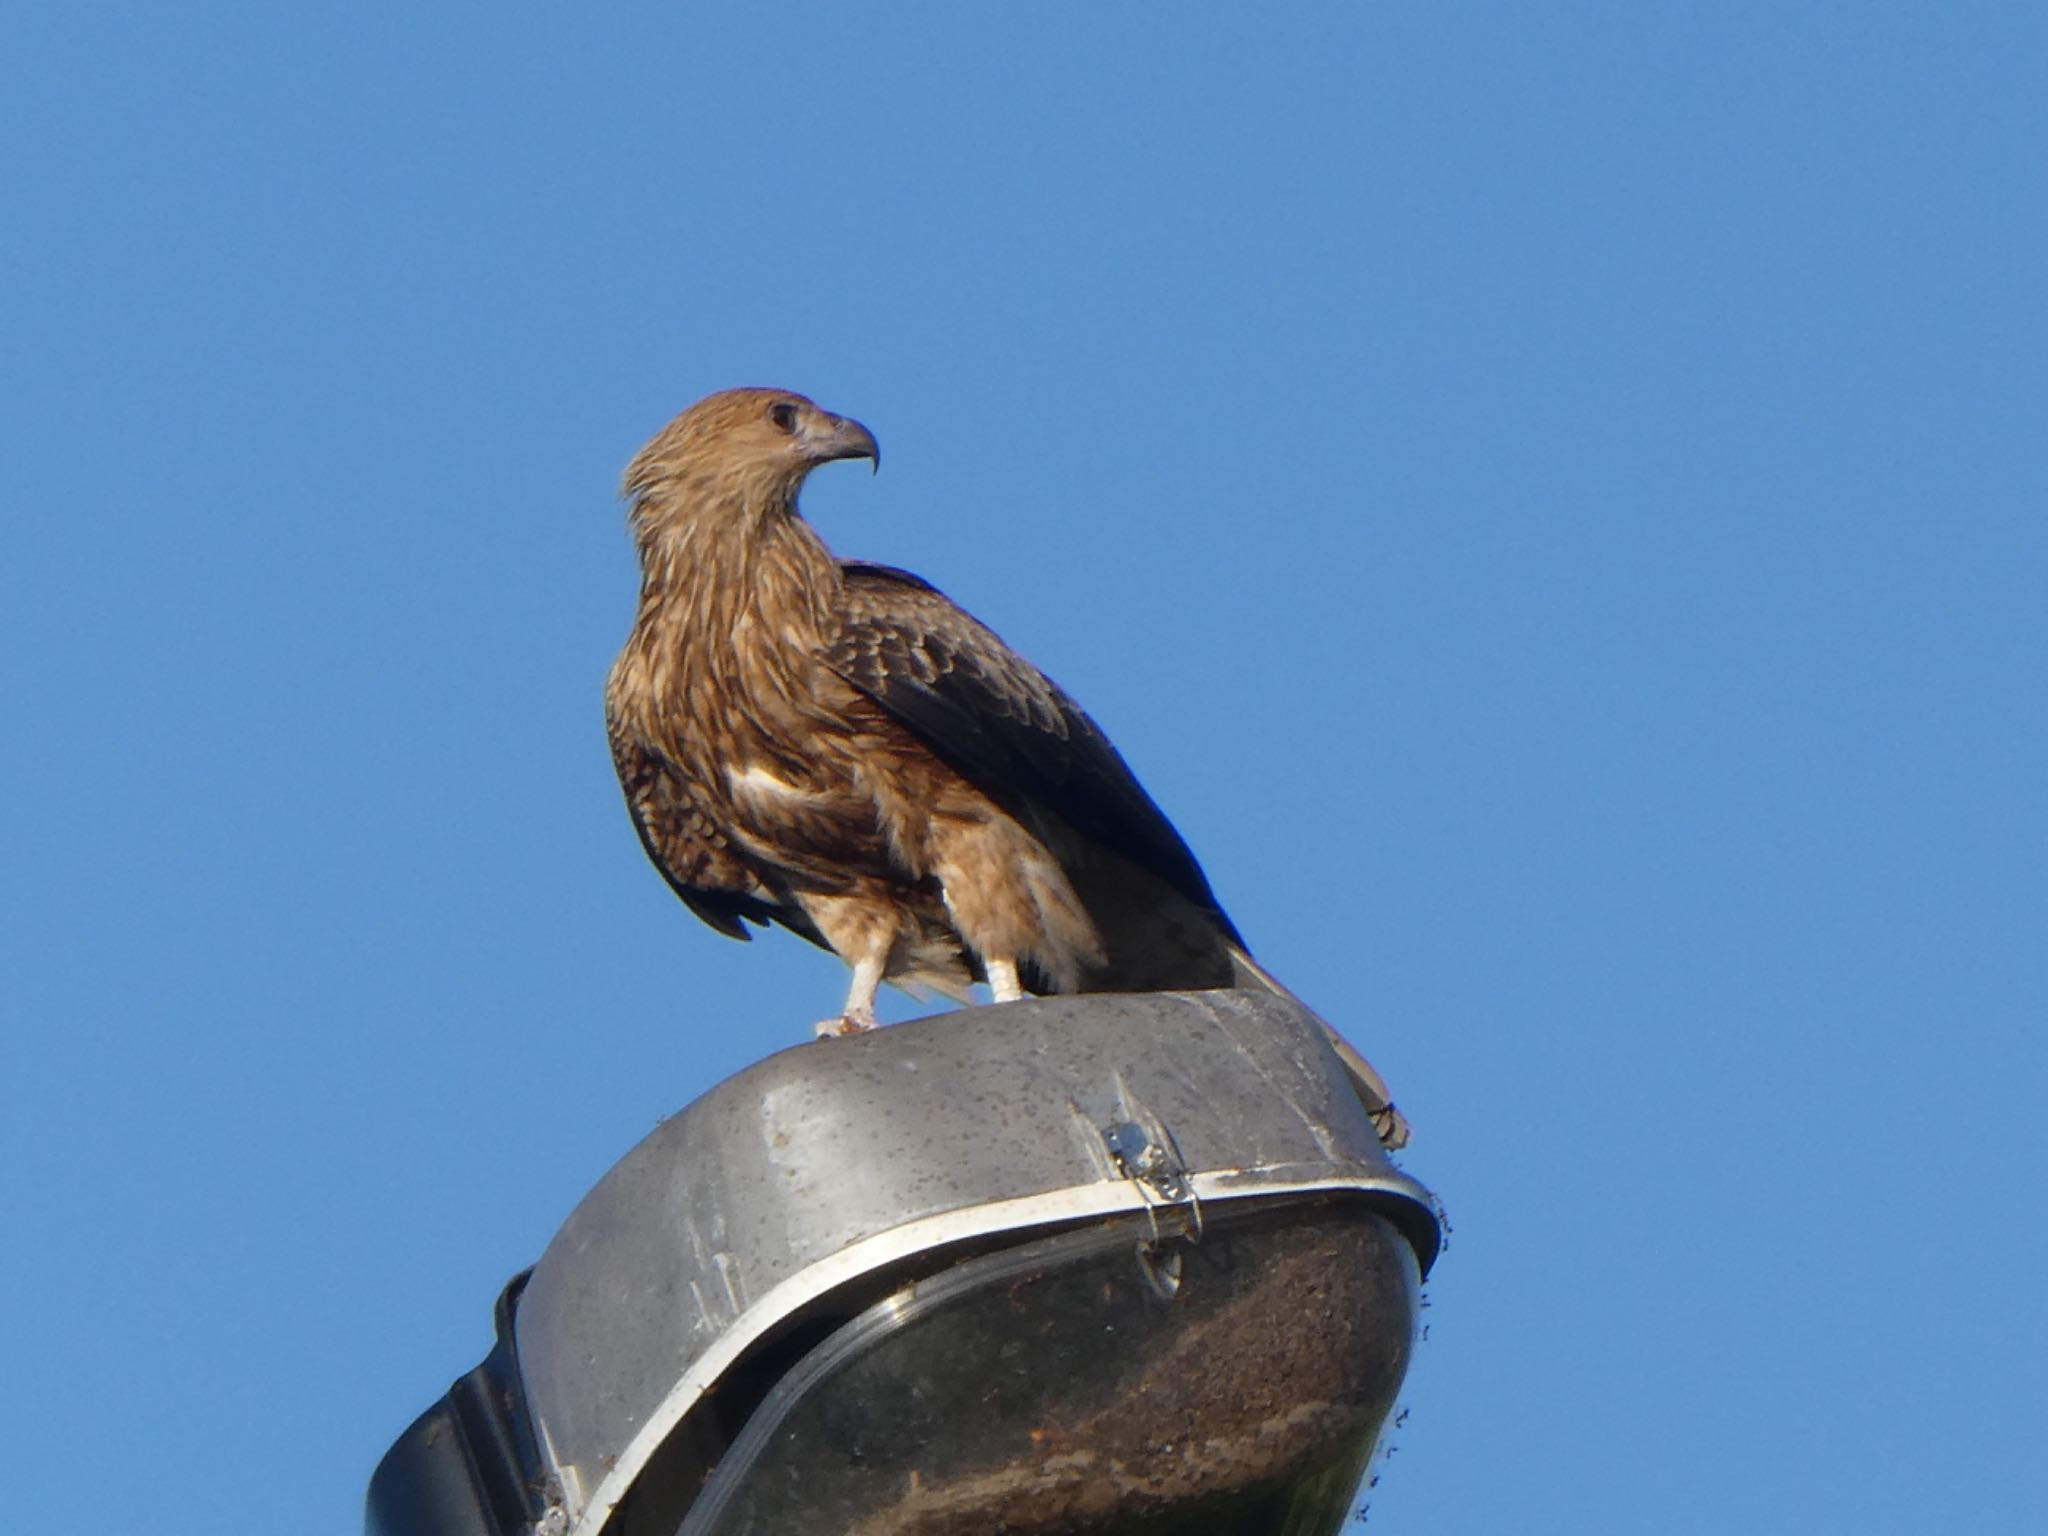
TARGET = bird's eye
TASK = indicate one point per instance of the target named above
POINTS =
(783, 414)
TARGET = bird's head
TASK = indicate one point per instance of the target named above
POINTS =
(743, 447)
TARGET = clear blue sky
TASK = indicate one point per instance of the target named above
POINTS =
(1550, 498)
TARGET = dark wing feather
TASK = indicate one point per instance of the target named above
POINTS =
(1003, 724)
(685, 845)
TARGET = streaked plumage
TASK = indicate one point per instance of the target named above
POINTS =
(837, 748)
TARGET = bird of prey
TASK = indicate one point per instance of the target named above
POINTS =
(835, 747)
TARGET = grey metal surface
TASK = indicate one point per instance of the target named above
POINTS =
(830, 1159)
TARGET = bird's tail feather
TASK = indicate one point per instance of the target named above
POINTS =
(1372, 1089)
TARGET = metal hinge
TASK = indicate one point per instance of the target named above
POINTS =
(1149, 1158)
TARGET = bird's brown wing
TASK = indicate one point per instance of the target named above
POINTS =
(686, 845)
(1016, 736)
(1004, 725)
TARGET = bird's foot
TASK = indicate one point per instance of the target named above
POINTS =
(1003, 985)
(855, 1021)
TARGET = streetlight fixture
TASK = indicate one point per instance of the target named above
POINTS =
(1102, 1265)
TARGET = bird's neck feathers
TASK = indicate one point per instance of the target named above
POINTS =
(722, 555)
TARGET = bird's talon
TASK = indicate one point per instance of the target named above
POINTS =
(845, 1024)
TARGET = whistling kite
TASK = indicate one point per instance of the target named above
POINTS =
(837, 748)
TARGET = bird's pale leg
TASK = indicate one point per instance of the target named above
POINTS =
(1003, 985)
(859, 1016)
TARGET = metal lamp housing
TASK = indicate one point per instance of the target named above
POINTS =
(1099, 1264)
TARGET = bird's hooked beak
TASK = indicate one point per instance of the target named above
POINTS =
(829, 437)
